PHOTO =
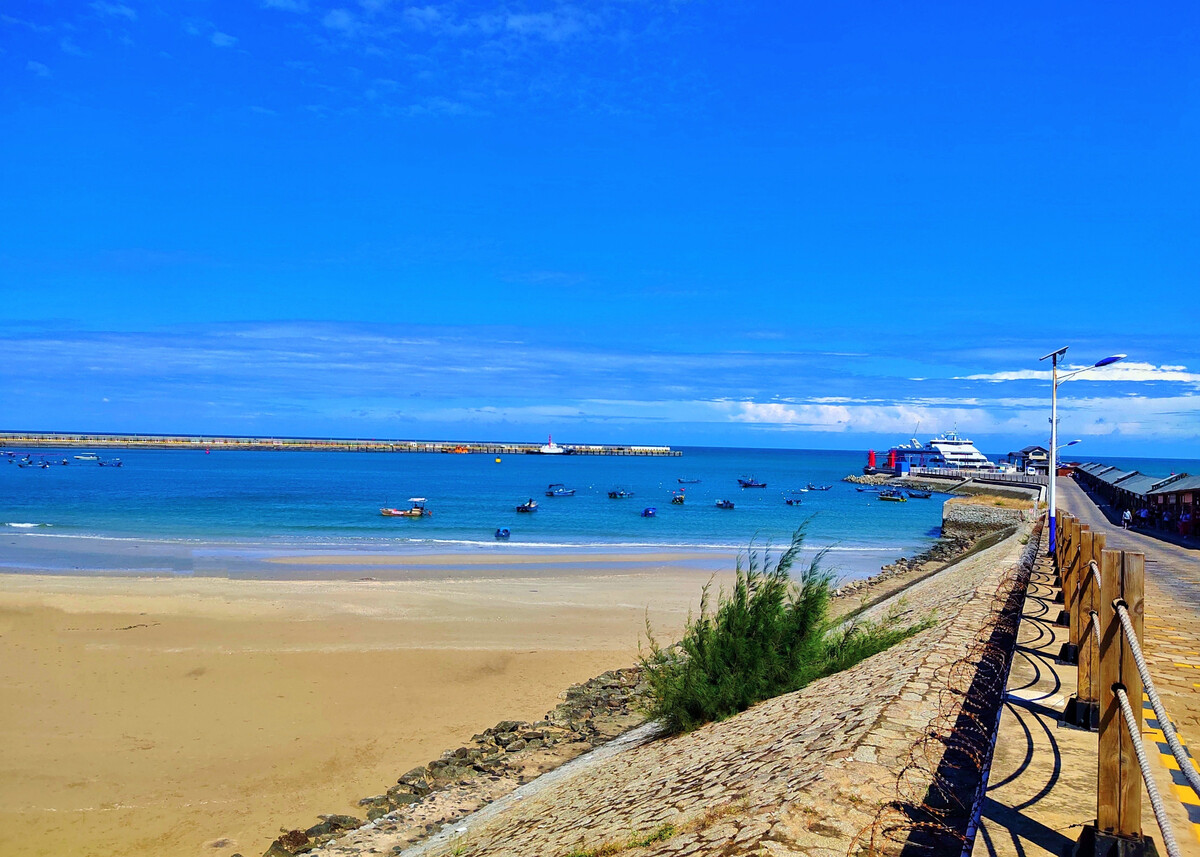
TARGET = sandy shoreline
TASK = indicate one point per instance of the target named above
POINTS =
(156, 715)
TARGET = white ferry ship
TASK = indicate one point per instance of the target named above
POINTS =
(949, 450)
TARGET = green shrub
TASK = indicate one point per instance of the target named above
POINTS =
(770, 635)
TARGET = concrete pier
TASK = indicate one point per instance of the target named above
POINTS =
(36, 440)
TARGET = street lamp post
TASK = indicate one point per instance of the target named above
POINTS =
(1055, 380)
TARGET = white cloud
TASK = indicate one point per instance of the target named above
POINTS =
(115, 10)
(223, 40)
(40, 69)
(342, 21)
(1123, 371)
(286, 5)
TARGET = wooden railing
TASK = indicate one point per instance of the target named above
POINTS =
(1103, 608)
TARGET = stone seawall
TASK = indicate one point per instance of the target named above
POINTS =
(972, 520)
(815, 772)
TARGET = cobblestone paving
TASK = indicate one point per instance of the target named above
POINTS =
(1172, 626)
(802, 774)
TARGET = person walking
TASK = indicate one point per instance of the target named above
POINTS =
(1126, 519)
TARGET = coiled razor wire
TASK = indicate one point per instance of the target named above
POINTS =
(939, 787)
(1135, 738)
(1164, 722)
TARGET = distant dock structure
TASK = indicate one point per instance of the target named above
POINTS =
(23, 440)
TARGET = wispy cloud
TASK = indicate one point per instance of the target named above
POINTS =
(1129, 372)
(115, 10)
(223, 40)
(512, 377)
(37, 68)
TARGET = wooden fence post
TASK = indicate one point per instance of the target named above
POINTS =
(1087, 683)
(1072, 584)
(1119, 780)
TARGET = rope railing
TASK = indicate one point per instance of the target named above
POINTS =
(1156, 804)
(1164, 722)
(1102, 595)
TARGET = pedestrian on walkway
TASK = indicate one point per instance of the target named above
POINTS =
(1126, 519)
(1185, 525)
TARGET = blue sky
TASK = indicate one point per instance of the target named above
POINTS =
(799, 225)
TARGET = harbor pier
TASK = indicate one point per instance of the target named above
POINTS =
(66, 440)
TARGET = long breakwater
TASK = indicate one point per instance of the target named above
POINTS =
(19, 440)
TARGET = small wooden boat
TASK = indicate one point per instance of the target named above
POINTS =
(751, 482)
(793, 501)
(530, 506)
(416, 510)
(503, 533)
(649, 512)
(677, 498)
(920, 495)
(893, 497)
(683, 481)
(724, 504)
(812, 487)
(557, 489)
(619, 494)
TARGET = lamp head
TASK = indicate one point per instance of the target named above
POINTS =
(1113, 359)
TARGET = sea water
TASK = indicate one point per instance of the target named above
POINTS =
(188, 511)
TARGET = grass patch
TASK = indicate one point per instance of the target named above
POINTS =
(770, 635)
(993, 500)
(607, 849)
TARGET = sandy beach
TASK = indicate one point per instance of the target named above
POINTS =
(195, 716)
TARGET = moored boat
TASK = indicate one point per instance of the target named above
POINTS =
(557, 489)
(750, 482)
(416, 509)
(724, 504)
(677, 497)
(619, 494)
(919, 495)
(503, 533)
(649, 512)
(529, 506)
(551, 448)
(893, 496)
(683, 481)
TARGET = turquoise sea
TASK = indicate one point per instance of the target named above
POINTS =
(227, 512)
(188, 511)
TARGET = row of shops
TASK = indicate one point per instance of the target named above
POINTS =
(1166, 503)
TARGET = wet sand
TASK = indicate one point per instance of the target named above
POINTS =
(195, 716)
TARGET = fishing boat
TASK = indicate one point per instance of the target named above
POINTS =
(649, 512)
(551, 448)
(683, 481)
(530, 506)
(793, 501)
(503, 533)
(893, 496)
(677, 497)
(866, 488)
(416, 509)
(812, 487)
(557, 489)
(87, 456)
(751, 482)
(724, 504)
(919, 495)
(619, 494)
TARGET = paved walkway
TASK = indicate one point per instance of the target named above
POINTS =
(1042, 787)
